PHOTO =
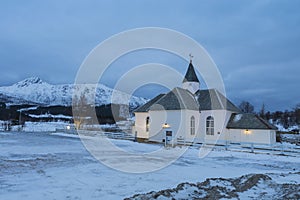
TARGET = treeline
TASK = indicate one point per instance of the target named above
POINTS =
(18, 114)
(287, 118)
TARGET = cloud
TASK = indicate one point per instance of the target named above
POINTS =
(256, 44)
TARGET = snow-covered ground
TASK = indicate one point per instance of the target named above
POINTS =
(251, 186)
(54, 166)
(60, 125)
(291, 138)
(282, 129)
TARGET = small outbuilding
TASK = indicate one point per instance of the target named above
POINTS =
(248, 127)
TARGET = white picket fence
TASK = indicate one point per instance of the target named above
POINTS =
(122, 136)
(110, 135)
(274, 149)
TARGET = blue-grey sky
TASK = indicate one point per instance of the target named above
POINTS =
(255, 44)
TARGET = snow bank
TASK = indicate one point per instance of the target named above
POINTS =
(44, 126)
(282, 129)
(251, 186)
(60, 116)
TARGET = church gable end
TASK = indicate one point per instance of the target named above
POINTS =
(177, 99)
(213, 100)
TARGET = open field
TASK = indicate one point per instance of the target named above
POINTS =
(47, 166)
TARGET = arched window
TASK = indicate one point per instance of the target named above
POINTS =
(147, 124)
(210, 126)
(192, 125)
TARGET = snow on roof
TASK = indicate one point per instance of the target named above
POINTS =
(237, 117)
(248, 121)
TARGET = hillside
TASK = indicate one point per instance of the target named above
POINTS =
(35, 91)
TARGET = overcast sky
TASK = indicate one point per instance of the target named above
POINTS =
(255, 44)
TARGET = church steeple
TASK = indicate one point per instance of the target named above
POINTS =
(191, 81)
(190, 75)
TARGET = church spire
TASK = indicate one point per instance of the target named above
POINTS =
(191, 81)
(190, 75)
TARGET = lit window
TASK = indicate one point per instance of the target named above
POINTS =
(192, 125)
(210, 125)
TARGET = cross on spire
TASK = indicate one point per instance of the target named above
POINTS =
(191, 57)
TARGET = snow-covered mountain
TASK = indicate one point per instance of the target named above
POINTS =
(34, 90)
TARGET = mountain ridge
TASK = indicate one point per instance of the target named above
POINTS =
(36, 91)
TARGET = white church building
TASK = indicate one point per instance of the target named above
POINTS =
(194, 115)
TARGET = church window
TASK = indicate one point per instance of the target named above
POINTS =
(210, 125)
(192, 125)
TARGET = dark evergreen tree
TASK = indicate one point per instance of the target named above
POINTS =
(285, 119)
(2, 105)
(268, 115)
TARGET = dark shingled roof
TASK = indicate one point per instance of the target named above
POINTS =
(190, 75)
(180, 98)
(248, 121)
(177, 99)
(146, 106)
(212, 99)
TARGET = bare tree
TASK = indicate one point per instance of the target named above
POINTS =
(297, 113)
(262, 112)
(246, 107)
(79, 110)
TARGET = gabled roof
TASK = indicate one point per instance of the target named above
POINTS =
(177, 99)
(146, 106)
(248, 121)
(190, 75)
(212, 99)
